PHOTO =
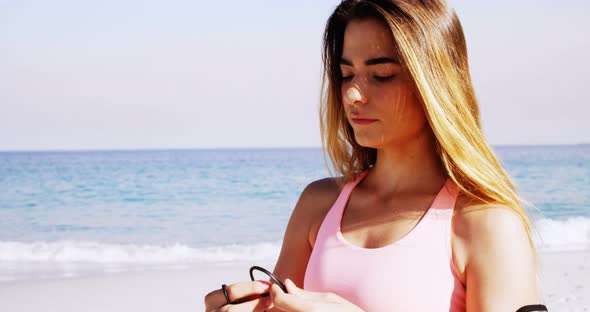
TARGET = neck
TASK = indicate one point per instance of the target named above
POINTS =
(412, 165)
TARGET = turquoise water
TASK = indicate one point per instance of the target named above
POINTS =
(199, 198)
(186, 206)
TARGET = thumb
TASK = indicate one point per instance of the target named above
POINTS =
(291, 287)
(302, 293)
(287, 301)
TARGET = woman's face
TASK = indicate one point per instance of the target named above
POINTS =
(375, 87)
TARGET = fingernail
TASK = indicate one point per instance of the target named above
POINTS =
(290, 282)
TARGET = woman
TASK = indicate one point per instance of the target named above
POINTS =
(423, 217)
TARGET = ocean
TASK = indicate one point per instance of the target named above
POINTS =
(68, 214)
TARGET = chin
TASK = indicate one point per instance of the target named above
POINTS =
(368, 142)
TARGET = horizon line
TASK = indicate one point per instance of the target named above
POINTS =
(155, 149)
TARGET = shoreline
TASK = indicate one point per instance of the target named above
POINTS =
(565, 278)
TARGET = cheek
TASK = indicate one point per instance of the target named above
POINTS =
(396, 101)
(402, 107)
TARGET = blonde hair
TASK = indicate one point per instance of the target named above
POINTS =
(431, 45)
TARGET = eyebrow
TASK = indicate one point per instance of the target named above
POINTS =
(373, 61)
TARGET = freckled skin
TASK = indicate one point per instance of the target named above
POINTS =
(394, 103)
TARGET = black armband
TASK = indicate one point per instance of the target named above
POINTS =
(533, 308)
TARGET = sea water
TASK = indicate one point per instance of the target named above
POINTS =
(65, 214)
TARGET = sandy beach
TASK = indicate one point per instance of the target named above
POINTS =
(566, 282)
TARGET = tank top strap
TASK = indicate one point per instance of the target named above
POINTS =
(441, 215)
(346, 191)
(331, 224)
(444, 202)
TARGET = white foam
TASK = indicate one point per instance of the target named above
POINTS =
(557, 235)
(95, 252)
(563, 235)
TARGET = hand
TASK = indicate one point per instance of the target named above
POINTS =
(246, 293)
(299, 300)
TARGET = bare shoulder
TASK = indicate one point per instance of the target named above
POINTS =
(317, 190)
(493, 249)
(296, 248)
(475, 223)
(321, 193)
(317, 199)
(472, 218)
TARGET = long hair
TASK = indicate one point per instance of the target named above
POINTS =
(431, 45)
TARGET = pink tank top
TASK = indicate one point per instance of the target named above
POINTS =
(414, 273)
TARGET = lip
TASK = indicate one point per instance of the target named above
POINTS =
(363, 121)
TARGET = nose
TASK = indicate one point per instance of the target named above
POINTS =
(354, 96)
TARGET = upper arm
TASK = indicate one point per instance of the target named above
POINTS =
(501, 268)
(296, 248)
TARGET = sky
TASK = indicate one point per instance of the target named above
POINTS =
(84, 75)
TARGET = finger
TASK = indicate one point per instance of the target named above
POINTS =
(246, 289)
(275, 292)
(214, 300)
(293, 289)
(236, 291)
(256, 305)
(288, 302)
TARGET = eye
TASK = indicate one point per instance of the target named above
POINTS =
(384, 78)
(347, 78)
